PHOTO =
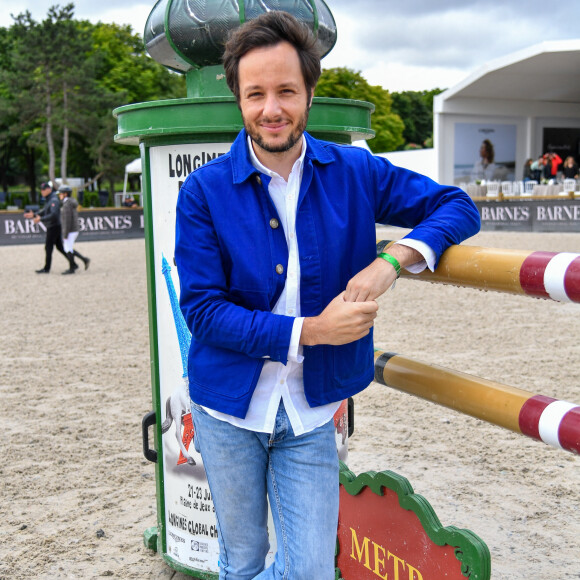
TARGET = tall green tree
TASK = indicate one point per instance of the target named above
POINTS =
(60, 79)
(125, 69)
(8, 140)
(129, 75)
(17, 122)
(345, 83)
(45, 56)
(416, 110)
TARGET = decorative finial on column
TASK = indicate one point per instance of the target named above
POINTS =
(190, 34)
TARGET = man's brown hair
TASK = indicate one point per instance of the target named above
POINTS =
(270, 29)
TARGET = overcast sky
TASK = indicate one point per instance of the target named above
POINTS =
(401, 45)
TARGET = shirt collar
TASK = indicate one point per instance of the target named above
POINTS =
(263, 169)
(243, 168)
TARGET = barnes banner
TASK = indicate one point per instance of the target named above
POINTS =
(94, 224)
(558, 215)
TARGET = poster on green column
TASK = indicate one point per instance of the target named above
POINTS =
(190, 524)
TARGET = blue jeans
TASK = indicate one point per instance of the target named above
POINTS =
(299, 475)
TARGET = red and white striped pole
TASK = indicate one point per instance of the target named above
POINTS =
(554, 422)
(550, 275)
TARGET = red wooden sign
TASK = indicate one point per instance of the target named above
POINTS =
(387, 531)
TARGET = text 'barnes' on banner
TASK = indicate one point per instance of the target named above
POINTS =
(105, 224)
(558, 215)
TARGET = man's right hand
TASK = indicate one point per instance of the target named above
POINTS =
(340, 322)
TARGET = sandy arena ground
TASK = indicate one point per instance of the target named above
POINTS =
(77, 493)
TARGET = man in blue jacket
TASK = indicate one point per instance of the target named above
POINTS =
(276, 254)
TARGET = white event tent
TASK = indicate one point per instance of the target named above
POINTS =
(528, 101)
(133, 167)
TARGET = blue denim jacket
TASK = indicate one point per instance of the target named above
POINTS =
(231, 258)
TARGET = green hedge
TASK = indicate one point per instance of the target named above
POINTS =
(22, 196)
(91, 199)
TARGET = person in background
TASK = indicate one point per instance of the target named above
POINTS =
(70, 227)
(129, 201)
(279, 274)
(570, 168)
(484, 167)
(528, 171)
(537, 168)
(551, 162)
(49, 215)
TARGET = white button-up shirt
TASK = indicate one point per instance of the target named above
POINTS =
(284, 382)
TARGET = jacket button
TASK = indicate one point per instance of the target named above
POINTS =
(280, 269)
(274, 223)
(259, 180)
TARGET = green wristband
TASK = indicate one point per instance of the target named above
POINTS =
(393, 261)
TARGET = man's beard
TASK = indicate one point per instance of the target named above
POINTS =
(293, 138)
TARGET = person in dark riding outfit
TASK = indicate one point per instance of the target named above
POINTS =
(49, 215)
